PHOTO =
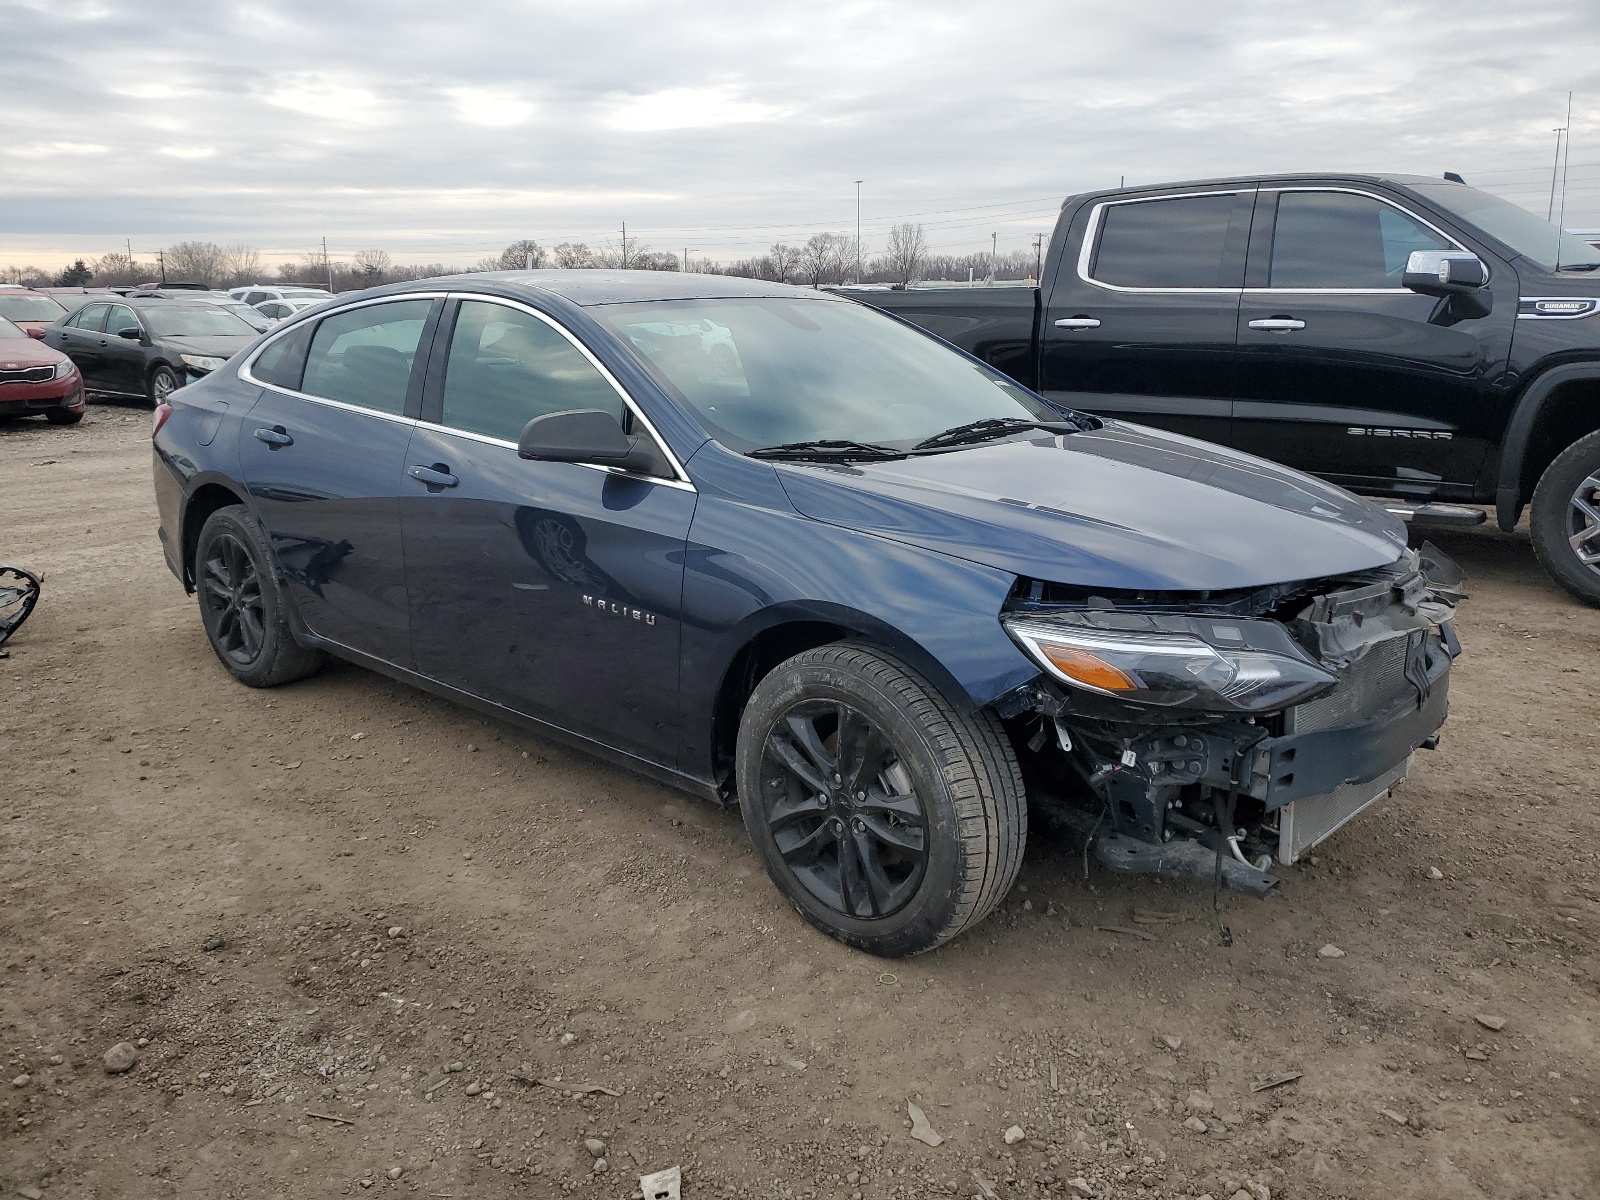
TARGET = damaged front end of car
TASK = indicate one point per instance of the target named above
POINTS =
(1189, 734)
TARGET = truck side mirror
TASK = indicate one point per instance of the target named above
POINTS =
(592, 436)
(1456, 277)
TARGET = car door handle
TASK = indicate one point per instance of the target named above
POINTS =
(276, 437)
(1278, 324)
(436, 477)
(1078, 323)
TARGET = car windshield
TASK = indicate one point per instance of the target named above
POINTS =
(192, 320)
(8, 330)
(1528, 234)
(30, 308)
(772, 371)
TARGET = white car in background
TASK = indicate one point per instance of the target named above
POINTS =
(277, 310)
(256, 293)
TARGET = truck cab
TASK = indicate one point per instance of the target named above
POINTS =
(1279, 315)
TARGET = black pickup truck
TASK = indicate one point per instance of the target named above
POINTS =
(1406, 337)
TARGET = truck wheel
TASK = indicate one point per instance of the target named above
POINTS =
(1565, 519)
(888, 819)
(242, 605)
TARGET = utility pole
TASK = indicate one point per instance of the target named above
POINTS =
(1555, 167)
(859, 182)
(624, 245)
(994, 253)
(1566, 157)
(161, 258)
(528, 261)
(326, 264)
(1038, 255)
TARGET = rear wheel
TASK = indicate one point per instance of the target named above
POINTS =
(63, 416)
(888, 819)
(162, 383)
(1565, 519)
(242, 604)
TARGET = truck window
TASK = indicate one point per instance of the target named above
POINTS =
(1344, 240)
(1176, 243)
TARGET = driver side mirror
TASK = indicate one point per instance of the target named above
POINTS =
(133, 333)
(1456, 277)
(592, 436)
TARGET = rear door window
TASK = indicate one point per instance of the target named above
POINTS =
(507, 367)
(1343, 240)
(364, 356)
(1181, 242)
(90, 318)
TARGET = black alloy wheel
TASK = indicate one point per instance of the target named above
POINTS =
(242, 603)
(842, 809)
(230, 590)
(889, 818)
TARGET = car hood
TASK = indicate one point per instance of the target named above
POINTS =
(217, 345)
(27, 352)
(1121, 507)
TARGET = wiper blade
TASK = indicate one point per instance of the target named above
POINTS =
(1580, 267)
(830, 450)
(992, 427)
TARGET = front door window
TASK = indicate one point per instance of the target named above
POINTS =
(1341, 240)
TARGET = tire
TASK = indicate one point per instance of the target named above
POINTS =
(1566, 508)
(242, 604)
(63, 416)
(944, 819)
(162, 383)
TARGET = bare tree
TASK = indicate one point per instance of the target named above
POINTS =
(908, 253)
(570, 255)
(785, 261)
(241, 263)
(194, 262)
(822, 259)
(120, 269)
(371, 267)
(524, 254)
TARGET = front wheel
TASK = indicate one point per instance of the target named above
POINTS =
(242, 605)
(1565, 519)
(888, 819)
(63, 416)
(163, 382)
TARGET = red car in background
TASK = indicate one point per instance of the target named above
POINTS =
(31, 311)
(37, 379)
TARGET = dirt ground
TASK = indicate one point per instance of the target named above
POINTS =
(435, 928)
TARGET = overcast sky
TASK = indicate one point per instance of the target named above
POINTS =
(440, 131)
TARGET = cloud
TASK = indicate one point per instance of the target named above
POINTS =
(442, 134)
(687, 108)
(496, 108)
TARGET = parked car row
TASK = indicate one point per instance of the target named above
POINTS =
(135, 342)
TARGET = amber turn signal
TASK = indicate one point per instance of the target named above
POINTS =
(1087, 669)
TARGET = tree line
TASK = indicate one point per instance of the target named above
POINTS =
(823, 259)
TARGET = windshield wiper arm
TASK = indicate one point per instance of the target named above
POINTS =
(993, 427)
(829, 449)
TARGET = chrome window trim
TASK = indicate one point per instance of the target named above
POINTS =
(1096, 217)
(1535, 316)
(682, 480)
(1091, 237)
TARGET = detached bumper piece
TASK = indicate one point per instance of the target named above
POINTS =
(1164, 793)
(19, 592)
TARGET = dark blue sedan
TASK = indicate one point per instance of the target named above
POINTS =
(776, 548)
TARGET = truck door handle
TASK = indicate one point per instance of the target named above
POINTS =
(437, 477)
(276, 437)
(1077, 323)
(1278, 324)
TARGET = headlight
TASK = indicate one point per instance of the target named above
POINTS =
(63, 369)
(1216, 664)
(201, 363)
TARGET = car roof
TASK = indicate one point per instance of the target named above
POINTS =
(587, 287)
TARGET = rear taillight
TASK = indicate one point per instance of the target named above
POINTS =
(163, 411)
